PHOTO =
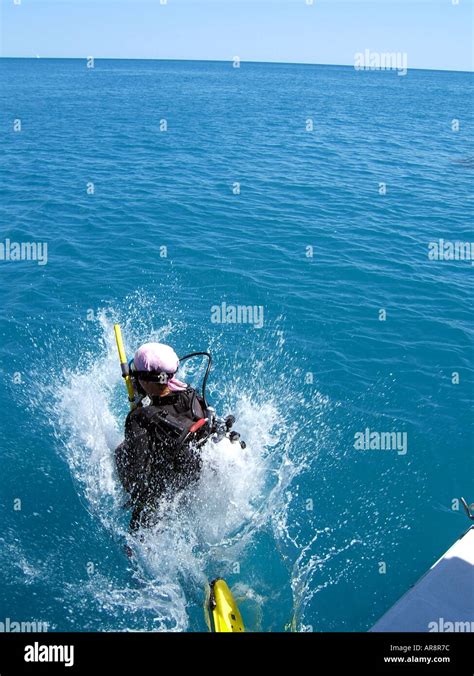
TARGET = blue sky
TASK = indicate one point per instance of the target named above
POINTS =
(434, 33)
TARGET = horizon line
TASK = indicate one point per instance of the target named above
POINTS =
(275, 63)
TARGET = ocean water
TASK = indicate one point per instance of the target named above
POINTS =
(130, 172)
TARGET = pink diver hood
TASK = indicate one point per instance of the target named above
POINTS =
(157, 357)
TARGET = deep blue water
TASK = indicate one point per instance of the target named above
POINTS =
(300, 522)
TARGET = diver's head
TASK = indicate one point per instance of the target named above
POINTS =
(155, 366)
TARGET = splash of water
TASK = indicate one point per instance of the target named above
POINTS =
(203, 532)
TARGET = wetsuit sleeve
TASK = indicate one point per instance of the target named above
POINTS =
(135, 457)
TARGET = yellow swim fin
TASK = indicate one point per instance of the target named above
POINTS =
(222, 613)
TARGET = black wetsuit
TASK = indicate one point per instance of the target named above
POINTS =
(155, 459)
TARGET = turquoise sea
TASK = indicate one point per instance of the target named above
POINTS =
(163, 189)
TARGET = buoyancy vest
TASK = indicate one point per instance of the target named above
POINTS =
(172, 417)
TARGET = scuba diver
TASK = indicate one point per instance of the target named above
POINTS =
(167, 425)
(159, 455)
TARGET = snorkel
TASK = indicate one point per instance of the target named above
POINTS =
(125, 366)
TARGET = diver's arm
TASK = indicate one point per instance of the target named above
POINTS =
(136, 456)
